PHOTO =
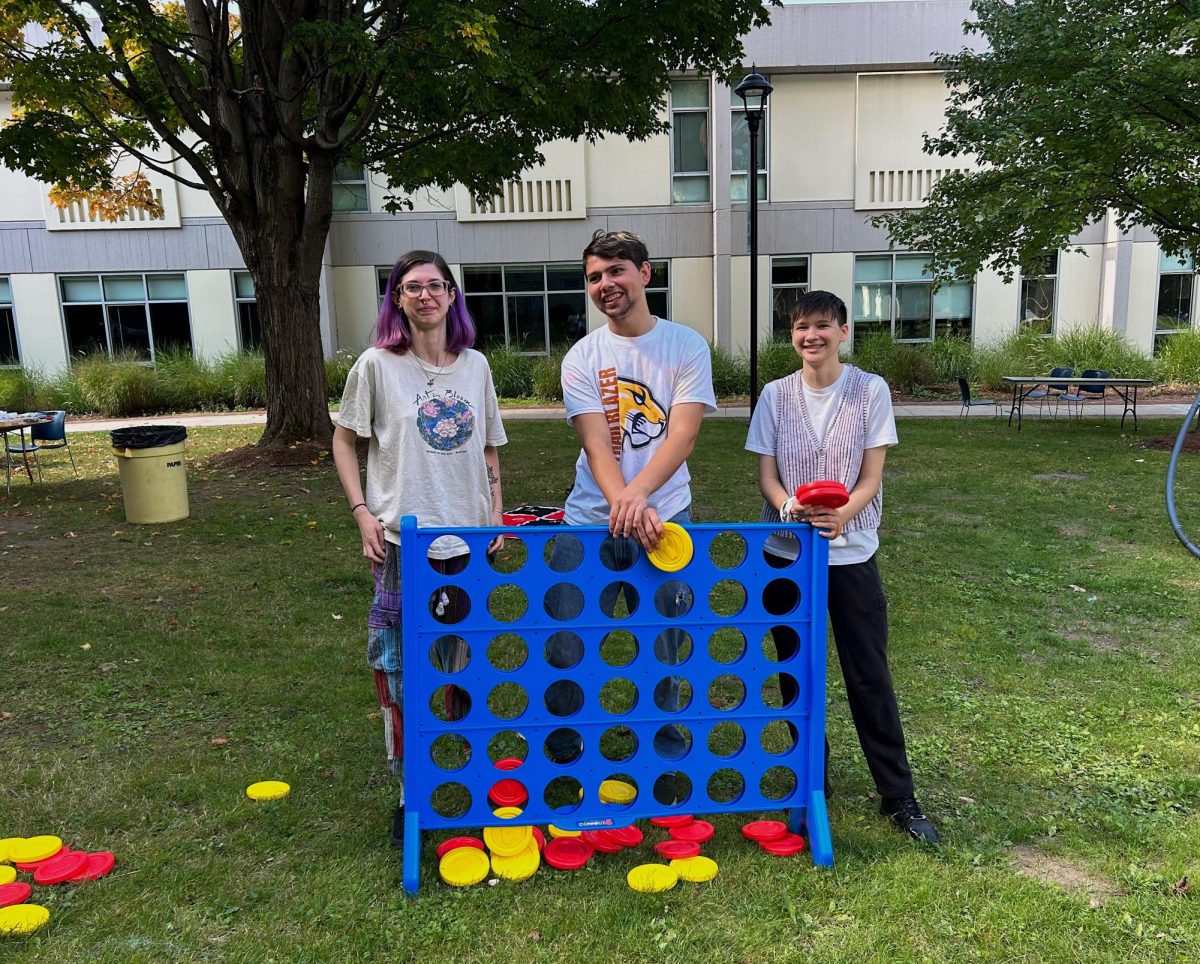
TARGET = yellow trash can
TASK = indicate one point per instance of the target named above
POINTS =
(153, 474)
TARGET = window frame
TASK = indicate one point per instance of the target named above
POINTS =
(348, 187)
(104, 303)
(894, 283)
(1030, 324)
(510, 333)
(8, 313)
(706, 111)
(777, 287)
(238, 302)
(1163, 335)
(764, 173)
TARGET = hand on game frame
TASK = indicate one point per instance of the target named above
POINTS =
(648, 530)
(626, 512)
(828, 521)
(373, 543)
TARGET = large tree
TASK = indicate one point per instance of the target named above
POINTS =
(1076, 108)
(257, 101)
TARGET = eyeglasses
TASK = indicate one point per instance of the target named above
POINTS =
(435, 288)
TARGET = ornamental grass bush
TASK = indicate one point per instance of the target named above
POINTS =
(730, 372)
(512, 372)
(186, 383)
(1097, 348)
(546, 375)
(337, 369)
(776, 359)
(118, 387)
(1179, 362)
(245, 376)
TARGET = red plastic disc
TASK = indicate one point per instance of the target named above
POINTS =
(679, 820)
(826, 493)
(508, 793)
(568, 853)
(15, 893)
(764, 830)
(35, 864)
(455, 842)
(788, 845)
(697, 830)
(540, 838)
(98, 865)
(508, 763)
(677, 849)
(625, 836)
(61, 867)
(601, 842)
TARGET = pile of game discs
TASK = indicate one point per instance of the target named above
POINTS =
(49, 862)
(773, 837)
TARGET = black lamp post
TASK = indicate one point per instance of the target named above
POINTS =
(754, 91)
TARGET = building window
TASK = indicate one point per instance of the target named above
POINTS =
(689, 142)
(530, 307)
(1038, 290)
(350, 188)
(10, 355)
(894, 293)
(135, 315)
(658, 290)
(249, 330)
(739, 156)
(1176, 297)
(789, 280)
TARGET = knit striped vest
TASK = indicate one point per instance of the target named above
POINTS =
(804, 458)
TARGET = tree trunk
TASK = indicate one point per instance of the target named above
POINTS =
(297, 391)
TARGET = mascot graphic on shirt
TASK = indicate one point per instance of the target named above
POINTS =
(642, 417)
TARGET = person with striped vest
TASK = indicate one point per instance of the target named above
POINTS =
(832, 421)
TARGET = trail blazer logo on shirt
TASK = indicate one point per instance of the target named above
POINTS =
(633, 413)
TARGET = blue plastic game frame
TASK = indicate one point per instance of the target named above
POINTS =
(495, 610)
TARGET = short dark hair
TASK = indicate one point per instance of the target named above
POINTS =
(617, 246)
(820, 303)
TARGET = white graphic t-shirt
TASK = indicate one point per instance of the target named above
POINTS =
(427, 441)
(634, 382)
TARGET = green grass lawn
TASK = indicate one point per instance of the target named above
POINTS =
(1044, 624)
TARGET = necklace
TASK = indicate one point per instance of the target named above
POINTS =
(431, 374)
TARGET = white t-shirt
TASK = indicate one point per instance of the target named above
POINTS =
(634, 382)
(426, 452)
(850, 547)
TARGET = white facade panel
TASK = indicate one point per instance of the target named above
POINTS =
(832, 272)
(39, 322)
(692, 294)
(996, 307)
(1079, 277)
(812, 137)
(622, 173)
(355, 289)
(1143, 296)
(213, 313)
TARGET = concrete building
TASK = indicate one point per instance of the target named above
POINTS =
(854, 90)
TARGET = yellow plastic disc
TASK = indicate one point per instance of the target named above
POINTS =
(464, 866)
(5, 846)
(33, 849)
(268, 790)
(7, 874)
(21, 919)
(696, 869)
(520, 865)
(652, 878)
(674, 550)
(507, 841)
(558, 832)
(617, 791)
(507, 813)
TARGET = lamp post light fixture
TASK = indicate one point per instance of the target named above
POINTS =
(754, 91)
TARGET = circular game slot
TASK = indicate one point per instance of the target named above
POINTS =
(507, 701)
(781, 597)
(727, 598)
(511, 557)
(449, 604)
(450, 751)
(563, 697)
(726, 693)
(450, 703)
(778, 783)
(674, 598)
(618, 648)
(727, 550)
(673, 741)
(450, 800)
(507, 652)
(727, 645)
(726, 786)
(726, 739)
(618, 744)
(507, 603)
(618, 696)
(563, 601)
(450, 654)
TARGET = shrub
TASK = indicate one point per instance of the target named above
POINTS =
(730, 372)
(186, 383)
(872, 352)
(1095, 347)
(116, 387)
(1021, 353)
(336, 370)
(1179, 363)
(244, 376)
(952, 358)
(776, 359)
(546, 376)
(908, 369)
(24, 390)
(512, 372)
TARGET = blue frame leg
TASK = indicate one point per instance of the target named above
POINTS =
(412, 852)
(820, 840)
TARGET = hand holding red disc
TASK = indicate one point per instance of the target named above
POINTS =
(826, 493)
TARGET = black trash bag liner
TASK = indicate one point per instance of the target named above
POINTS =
(147, 436)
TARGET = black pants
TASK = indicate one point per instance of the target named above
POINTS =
(858, 612)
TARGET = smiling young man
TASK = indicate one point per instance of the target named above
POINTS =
(635, 392)
(834, 421)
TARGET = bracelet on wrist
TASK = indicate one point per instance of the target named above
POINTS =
(355, 508)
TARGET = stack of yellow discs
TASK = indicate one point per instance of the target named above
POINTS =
(617, 791)
(674, 549)
(520, 865)
(21, 919)
(652, 878)
(559, 832)
(508, 841)
(268, 790)
(695, 869)
(5, 844)
(464, 866)
(30, 850)
(7, 874)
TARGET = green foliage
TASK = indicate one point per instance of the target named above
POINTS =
(546, 377)
(185, 383)
(1130, 145)
(952, 358)
(776, 359)
(1097, 348)
(512, 372)
(245, 375)
(26, 390)
(730, 372)
(117, 387)
(1179, 362)
(909, 369)
(1020, 353)
(336, 370)
(872, 352)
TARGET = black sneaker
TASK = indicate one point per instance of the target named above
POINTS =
(398, 827)
(906, 814)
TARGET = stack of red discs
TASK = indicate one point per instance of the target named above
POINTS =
(568, 853)
(773, 837)
(508, 792)
(827, 493)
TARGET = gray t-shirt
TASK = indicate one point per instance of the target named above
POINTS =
(427, 441)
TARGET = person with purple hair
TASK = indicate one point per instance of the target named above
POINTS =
(425, 401)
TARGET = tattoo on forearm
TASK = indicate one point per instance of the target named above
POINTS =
(492, 479)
